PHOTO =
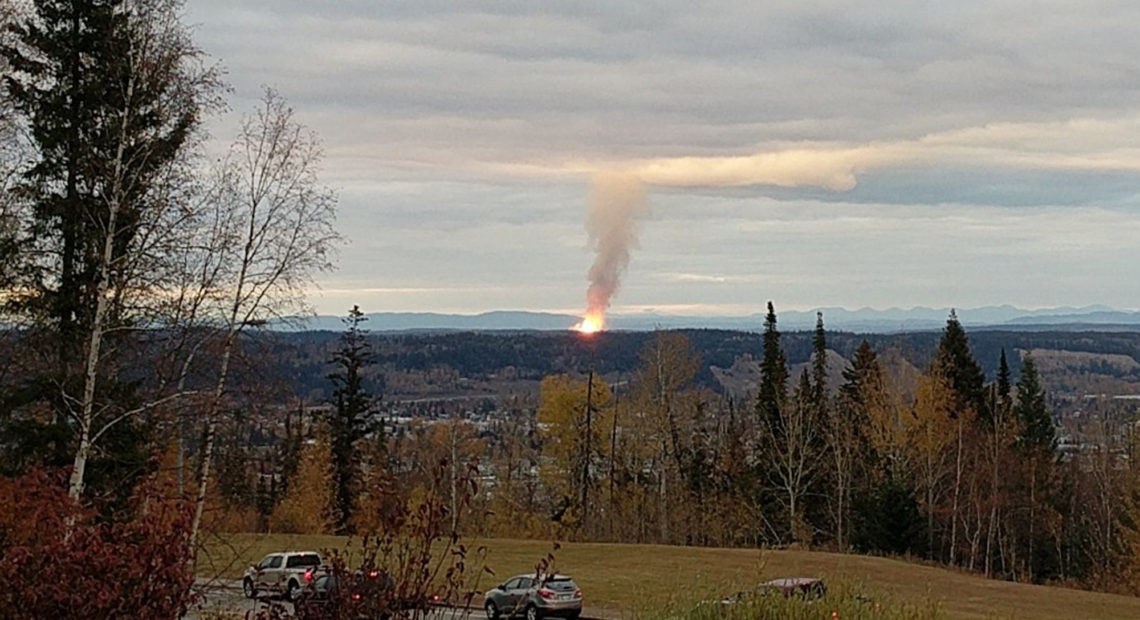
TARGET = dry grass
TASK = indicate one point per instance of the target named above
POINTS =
(643, 578)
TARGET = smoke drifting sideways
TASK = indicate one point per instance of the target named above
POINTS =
(616, 202)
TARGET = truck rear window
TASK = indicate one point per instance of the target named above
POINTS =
(308, 559)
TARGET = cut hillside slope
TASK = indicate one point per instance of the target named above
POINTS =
(632, 578)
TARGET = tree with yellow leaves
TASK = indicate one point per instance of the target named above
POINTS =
(930, 431)
(307, 507)
(572, 439)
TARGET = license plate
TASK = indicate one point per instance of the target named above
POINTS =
(565, 597)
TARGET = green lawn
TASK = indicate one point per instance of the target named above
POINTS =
(626, 577)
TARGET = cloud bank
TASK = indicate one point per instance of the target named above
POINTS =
(817, 152)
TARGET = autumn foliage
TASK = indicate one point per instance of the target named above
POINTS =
(58, 559)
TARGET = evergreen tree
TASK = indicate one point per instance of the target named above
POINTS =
(819, 367)
(1035, 425)
(91, 78)
(233, 474)
(863, 376)
(350, 420)
(888, 519)
(1003, 383)
(999, 401)
(110, 93)
(772, 392)
(957, 363)
(288, 450)
(1036, 438)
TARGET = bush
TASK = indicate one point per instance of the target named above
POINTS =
(57, 560)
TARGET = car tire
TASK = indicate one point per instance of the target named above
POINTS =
(291, 591)
(492, 610)
(248, 589)
(532, 612)
(573, 615)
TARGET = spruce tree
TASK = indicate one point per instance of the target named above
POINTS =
(350, 420)
(1035, 425)
(864, 376)
(772, 392)
(91, 78)
(1003, 382)
(862, 395)
(819, 367)
(110, 94)
(963, 371)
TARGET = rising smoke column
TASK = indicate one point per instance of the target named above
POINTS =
(616, 202)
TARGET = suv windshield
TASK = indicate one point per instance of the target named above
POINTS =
(308, 559)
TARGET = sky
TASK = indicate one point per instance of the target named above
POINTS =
(812, 153)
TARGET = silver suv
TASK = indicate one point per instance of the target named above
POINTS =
(534, 596)
(281, 573)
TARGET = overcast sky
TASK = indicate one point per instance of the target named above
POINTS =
(813, 153)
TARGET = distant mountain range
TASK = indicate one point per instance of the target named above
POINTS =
(867, 320)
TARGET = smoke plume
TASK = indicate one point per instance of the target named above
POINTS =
(615, 204)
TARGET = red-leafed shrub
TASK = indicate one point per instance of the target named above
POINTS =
(58, 561)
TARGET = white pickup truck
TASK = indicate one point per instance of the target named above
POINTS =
(281, 573)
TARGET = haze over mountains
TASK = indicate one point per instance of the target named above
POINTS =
(1095, 317)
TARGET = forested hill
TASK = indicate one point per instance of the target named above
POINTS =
(514, 359)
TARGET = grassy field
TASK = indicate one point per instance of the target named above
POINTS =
(641, 578)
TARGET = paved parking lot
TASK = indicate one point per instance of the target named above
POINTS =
(224, 599)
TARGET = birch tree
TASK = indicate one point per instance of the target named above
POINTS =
(112, 94)
(279, 219)
(792, 441)
(668, 366)
(11, 154)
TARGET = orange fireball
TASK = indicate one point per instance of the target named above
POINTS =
(590, 325)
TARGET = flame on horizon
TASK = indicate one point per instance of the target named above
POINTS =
(590, 325)
(616, 202)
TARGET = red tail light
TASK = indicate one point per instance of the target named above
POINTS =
(544, 593)
(578, 593)
(356, 596)
(309, 575)
(374, 574)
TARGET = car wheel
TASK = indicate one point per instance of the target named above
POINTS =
(492, 611)
(291, 592)
(247, 588)
(573, 615)
(532, 612)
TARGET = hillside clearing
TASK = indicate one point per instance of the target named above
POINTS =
(633, 578)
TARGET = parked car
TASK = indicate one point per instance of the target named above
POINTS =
(534, 596)
(281, 573)
(332, 595)
(807, 588)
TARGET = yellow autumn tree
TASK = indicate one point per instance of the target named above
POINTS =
(378, 496)
(573, 441)
(663, 421)
(931, 432)
(307, 507)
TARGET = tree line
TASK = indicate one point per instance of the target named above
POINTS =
(957, 470)
(965, 472)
